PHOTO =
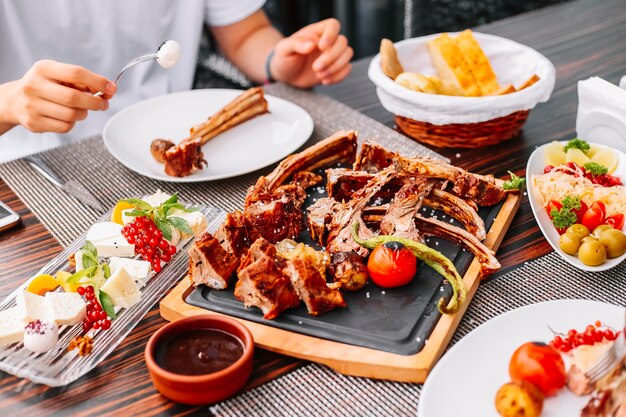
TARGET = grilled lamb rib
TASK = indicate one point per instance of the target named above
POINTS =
(373, 158)
(210, 264)
(311, 287)
(398, 220)
(262, 283)
(186, 157)
(234, 235)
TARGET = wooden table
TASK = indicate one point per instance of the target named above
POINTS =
(582, 38)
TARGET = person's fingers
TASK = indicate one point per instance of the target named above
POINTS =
(330, 31)
(71, 97)
(75, 75)
(59, 112)
(331, 54)
(294, 44)
(339, 63)
(39, 124)
(335, 78)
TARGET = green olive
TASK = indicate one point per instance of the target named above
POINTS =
(615, 242)
(570, 242)
(590, 238)
(580, 229)
(597, 232)
(592, 253)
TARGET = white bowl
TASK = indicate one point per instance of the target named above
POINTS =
(512, 62)
(536, 164)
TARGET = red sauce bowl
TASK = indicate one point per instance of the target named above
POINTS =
(207, 388)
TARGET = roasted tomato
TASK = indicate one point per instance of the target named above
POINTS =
(594, 216)
(616, 221)
(392, 265)
(539, 364)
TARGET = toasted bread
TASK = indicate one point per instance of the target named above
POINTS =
(505, 89)
(455, 73)
(529, 82)
(389, 59)
(417, 82)
(478, 62)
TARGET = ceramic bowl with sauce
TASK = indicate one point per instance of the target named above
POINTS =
(200, 360)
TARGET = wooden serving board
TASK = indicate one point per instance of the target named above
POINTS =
(354, 360)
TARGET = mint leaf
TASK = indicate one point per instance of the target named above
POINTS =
(90, 255)
(180, 224)
(107, 304)
(171, 200)
(75, 279)
(137, 213)
(164, 227)
(140, 204)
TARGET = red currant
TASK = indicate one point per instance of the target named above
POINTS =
(166, 257)
(96, 325)
(106, 324)
(171, 250)
(156, 265)
(80, 290)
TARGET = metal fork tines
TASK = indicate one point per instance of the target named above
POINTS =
(606, 364)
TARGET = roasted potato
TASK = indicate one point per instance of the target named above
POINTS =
(519, 399)
(389, 59)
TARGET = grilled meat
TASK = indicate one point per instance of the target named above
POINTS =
(399, 218)
(210, 264)
(311, 287)
(319, 216)
(373, 158)
(158, 147)
(233, 234)
(457, 208)
(184, 159)
(262, 283)
(349, 270)
(482, 189)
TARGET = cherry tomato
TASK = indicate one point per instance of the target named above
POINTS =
(539, 364)
(616, 221)
(594, 216)
(581, 212)
(553, 205)
(392, 265)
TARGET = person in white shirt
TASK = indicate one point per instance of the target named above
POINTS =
(56, 54)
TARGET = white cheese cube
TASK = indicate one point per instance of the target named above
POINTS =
(117, 246)
(138, 270)
(126, 218)
(11, 326)
(68, 308)
(122, 289)
(157, 198)
(33, 307)
(104, 231)
(196, 220)
(78, 257)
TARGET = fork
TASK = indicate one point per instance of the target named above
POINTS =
(609, 359)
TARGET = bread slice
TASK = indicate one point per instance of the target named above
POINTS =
(389, 59)
(417, 82)
(505, 89)
(529, 82)
(11, 326)
(478, 62)
(455, 73)
(67, 308)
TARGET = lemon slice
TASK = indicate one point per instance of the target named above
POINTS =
(116, 215)
(555, 155)
(593, 149)
(577, 156)
(606, 157)
(41, 284)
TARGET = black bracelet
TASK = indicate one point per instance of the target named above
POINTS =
(268, 72)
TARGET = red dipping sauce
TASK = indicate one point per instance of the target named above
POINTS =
(198, 352)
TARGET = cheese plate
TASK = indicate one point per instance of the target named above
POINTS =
(58, 295)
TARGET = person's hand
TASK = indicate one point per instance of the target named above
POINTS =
(315, 54)
(52, 97)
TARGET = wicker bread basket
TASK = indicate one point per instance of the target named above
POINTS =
(465, 122)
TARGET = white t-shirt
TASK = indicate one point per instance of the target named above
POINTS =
(103, 35)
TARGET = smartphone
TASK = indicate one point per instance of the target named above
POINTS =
(8, 218)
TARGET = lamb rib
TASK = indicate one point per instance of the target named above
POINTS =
(398, 219)
(343, 183)
(187, 157)
(480, 188)
(373, 158)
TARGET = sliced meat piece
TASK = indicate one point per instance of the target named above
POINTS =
(262, 282)
(276, 220)
(210, 263)
(184, 159)
(457, 208)
(233, 234)
(311, 287)
(373, 158)
(319, 216)
(482, 189)
(399, 218)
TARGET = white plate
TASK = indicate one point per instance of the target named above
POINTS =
(245, 148)
(536, 164)
(466, 379)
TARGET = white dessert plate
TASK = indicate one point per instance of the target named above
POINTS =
(466, 379)
(252, 145)
(536, 164)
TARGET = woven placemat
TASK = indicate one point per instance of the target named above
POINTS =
(315, 390)
(89, 163)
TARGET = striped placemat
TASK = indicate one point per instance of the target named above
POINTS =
(315, 390)
(89, 163)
